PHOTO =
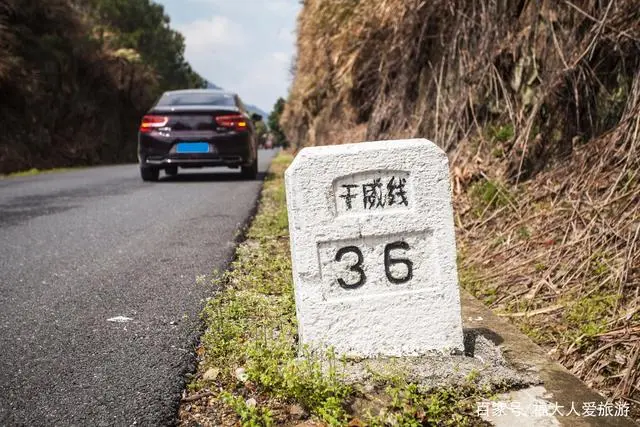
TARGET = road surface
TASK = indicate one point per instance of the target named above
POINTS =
(78, 248)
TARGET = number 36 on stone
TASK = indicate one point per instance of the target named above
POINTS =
(373, 248)
(389, 261)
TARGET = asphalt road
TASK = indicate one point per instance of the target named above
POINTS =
(78, 248)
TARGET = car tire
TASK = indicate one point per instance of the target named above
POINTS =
(149, 174)
(171, 171)
(251, 171)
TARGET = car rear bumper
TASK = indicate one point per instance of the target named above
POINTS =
(156, 150)
(194, 161)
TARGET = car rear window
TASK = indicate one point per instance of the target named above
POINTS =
(221, 99)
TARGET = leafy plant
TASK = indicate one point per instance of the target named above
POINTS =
(274, 123)
(250, 415)
(490, 194)
(502, 133)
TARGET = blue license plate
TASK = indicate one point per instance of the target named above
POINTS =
(192, 147)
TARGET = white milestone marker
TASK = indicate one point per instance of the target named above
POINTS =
(373, 249)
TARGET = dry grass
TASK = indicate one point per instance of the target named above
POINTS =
(562, 259)
(538, 104)
(448, 68)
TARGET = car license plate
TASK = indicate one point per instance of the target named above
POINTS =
(192, 147)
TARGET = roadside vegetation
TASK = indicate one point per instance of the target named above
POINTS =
(280, 139)
(76, 76)
(250, 372)
(34, 171)
(538, 106)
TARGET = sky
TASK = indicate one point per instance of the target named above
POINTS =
(245, 46)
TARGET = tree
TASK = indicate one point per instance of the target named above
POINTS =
(261, 132)
(143, 26)
(274, 124)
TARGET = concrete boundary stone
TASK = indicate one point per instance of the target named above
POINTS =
(373, 248)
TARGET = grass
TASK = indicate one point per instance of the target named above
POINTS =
(501, 133)
(256, 374)
(557, 261)
(469, 279)
(489, 194)
(590, 314)
(34, 171)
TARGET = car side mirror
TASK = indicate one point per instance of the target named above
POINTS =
(256, 117)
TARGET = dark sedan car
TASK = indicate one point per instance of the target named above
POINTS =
(197, 128)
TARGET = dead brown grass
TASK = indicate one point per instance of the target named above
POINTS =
(538, 104)
(562, 258)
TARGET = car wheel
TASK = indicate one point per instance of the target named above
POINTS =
(172, 171)
(250, 172)
(149, 174)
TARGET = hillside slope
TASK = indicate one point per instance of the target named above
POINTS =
(75, 77)
(538, 105)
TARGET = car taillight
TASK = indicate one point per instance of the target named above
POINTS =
(151, 122)
(236, 122)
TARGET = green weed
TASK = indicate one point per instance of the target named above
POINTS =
(250, 415)
(412, 406)
(540, 266)
(490, 194)
(599, 265)
(502, 133)
(523, 232)
(34, 171)
(589, 315)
